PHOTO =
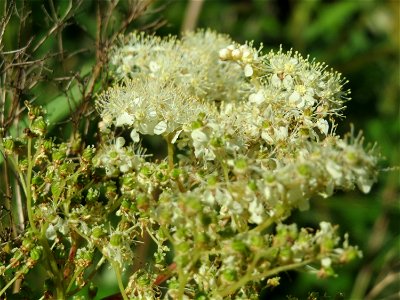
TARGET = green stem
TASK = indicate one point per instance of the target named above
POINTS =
(58, 278)
(76, 274)
(117, 271)
(229, 290)
(170, 153)
(88, 279)
(17, 275)
(183, 276)
(28, 187)
(182, 283)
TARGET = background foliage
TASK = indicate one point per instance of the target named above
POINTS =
(359, 38)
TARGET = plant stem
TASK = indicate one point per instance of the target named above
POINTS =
(117, 271)
(170, 153)
(228, 290)
(28, 187)
(21, 272)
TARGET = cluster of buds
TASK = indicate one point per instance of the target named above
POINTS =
(242, 53)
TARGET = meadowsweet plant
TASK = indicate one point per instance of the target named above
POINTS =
(250, 138)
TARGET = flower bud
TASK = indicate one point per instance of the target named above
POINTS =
(36, 253)
(98, 232)
(116, 239)
(236, 54)
(229, 275)
(224, 54)
(39, 126)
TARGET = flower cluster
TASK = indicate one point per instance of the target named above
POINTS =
(190, 63)
(256, 139)
(250, 137)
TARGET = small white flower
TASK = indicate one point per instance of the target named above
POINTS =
(124, 119)
(281, 133)
(334, 169)
(246, 54)
(323, 125)
(288, 82)
(154, 67)
(199, 136)
(326, 262)
(248, 70)
(224, 54)
(51, 233)
(257, 98)
(236, 54)
(135, 136)
(276, 81)
(119, 142)
(160, 128)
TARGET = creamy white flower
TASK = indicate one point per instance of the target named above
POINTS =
(334, 169)
(248, 70)
(323, 126)
(124, 119)
(257, 98)
(160, 128)
(135, 136)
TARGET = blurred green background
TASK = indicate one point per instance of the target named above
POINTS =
(359, 38)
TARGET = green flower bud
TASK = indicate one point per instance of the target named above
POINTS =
(9, 146)
(34, 111)
(285, 254)
(257, 241)
(240, 165)
(66, 169)
(212, 180)
(175, 173)
(98, 232)
(239, 246)
(193, 206)
(143, 280)
(23, 165)
(142, 202)
(36, 253)
(92, 195)
(125, 204)
(216, 142)
(47, 145)
(229, 275)
(173, 284)
(270, 178)
(39, 126)
(128, 182)
(116, 239)
(88, 154)
(59, 153)
(27, 244)
(145, 170)
(271, 254)
(37, 180)
(304, 170)
(252, 185)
